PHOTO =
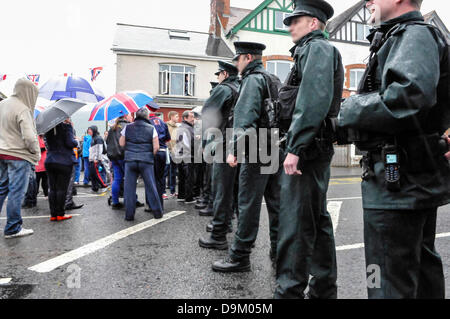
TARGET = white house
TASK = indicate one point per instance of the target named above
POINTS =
(175, 66)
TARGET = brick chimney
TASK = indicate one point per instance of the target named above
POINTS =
(220, 14)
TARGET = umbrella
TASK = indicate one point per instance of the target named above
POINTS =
(198, 110)
(38, 110)
(120, 104)
(70, 87)
(56, 114)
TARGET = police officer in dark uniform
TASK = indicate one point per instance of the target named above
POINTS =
(253, 184)
(206, 201)
(216, 114)
(398, 118)
(306, 241)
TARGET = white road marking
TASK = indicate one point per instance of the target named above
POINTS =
(5, 281)
(344, 198)
(361, 245)
(39, 217)
(350, 247)
(63, 259)
(334, 208)
(443, 235)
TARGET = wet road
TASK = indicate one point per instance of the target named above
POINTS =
(99, 255)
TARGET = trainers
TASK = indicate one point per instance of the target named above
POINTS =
(22, 233)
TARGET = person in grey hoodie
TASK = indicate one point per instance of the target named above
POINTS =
(19, 151)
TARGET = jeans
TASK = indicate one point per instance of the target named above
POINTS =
(132, 171)
(86, 170)
(58, 179)
(78, 170)
(14, 179)
(119, 173)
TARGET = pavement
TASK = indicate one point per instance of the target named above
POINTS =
(98, 254)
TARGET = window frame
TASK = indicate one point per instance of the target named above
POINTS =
(165, 79)
(275, 62)
(366, 29)
(285, 27)
(354, 70)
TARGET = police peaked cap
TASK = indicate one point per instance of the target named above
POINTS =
(319, 9)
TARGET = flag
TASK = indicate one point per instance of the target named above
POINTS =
(34, 78)
(2, 77)
(95, 72)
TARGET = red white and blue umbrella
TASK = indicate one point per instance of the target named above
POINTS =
(120, 104)
(70, 87)
(38, 110)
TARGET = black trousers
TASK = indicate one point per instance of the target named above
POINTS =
(207, 185)
(223, 176)
(160, 166)
(32, 190)
(401, 259)
(58, 179)
(186, 181)
(198, 183)
(95, 176)
(42, 179)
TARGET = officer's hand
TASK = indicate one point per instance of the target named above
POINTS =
(447, 155)
(232, 161)
(291, 164)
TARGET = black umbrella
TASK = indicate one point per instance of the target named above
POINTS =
(56, 114)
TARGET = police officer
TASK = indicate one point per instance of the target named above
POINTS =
(306, 240)
(215, 114)
(253, 184)
(399, 115)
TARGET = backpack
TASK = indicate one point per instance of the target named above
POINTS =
(113, 149)
(272, 110)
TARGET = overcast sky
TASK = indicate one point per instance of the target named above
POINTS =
(52, 37)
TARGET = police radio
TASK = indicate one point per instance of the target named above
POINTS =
(391, 158)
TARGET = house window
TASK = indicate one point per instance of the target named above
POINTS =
(176, 80)
(362, 32)
(279, 18)
(279, 68)
(356, 76)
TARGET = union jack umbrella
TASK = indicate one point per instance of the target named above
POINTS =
(34, 78)
(119, 105)
(38, 110)
(70, 87)
(95, 72)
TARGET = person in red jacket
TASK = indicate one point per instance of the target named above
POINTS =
(41, 173)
